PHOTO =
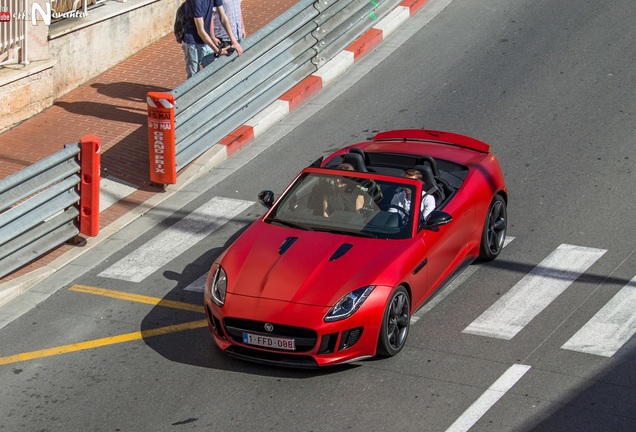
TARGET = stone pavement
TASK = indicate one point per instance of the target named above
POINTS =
(113, 107)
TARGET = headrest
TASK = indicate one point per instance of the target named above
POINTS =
(356, 160)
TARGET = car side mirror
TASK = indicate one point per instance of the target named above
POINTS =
(436, 218)
(266, 198)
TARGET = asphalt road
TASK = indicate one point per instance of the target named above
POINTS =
(550, 85)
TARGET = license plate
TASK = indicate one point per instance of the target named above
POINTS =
(269, 341)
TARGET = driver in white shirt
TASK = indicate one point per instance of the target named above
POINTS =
(403, 198)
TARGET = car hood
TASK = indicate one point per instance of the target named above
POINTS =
(308, 267)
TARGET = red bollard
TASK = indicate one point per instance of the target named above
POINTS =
(89, 185)
(161, 138)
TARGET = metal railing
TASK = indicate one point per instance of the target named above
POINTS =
(13, 32)
(220, 98)
(16, 17)
(41, 206)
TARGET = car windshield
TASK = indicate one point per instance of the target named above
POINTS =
(346, 204)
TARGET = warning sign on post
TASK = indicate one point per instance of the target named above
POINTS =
(161, 140)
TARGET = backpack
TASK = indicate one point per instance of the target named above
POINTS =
(180, 20)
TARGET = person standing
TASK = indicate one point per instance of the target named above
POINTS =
(234, 14)
(198, 46)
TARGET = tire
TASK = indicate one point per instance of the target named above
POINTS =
(494, 232)
(395, 323)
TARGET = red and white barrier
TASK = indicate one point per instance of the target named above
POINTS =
(161, 138)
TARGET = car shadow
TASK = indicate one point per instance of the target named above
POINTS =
(194, 345)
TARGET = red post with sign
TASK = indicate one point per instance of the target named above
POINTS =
(89, 185)
(161, 139)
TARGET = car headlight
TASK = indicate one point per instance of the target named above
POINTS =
(349, 304)
(216, 284)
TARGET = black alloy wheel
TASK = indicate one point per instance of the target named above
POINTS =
(495, 228)
(395, 324)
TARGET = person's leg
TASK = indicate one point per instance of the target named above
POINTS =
(191, 58)
(207, 56)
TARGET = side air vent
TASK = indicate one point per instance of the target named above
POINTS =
(286, 244)
(343, 249)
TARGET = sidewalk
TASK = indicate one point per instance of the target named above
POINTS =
(113, 107)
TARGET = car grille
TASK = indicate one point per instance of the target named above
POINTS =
(305, 339)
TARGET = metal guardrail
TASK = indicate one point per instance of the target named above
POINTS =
(49, 203)
(220, 98)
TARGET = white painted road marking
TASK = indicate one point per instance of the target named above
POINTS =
(489, 398)
(610, 328)
(513, 311)
(163, 248)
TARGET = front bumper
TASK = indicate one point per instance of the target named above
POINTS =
(317, 343)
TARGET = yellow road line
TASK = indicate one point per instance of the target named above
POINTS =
(120, 338)
(102, 342)
(137, 298)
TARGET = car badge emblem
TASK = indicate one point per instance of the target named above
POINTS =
(269, 327)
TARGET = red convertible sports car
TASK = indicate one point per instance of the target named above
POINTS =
(334, 270)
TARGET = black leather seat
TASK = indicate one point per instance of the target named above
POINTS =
(430, 185)
(356, 160)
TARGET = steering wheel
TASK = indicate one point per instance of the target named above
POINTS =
(404, 215)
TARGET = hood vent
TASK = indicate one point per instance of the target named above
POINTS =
(343, 249)
(286, 244)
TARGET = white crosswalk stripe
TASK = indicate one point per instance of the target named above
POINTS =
(490, 397)
(163, 248)
(513, 311)
(610, 328)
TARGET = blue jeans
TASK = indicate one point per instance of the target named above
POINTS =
(196, 57)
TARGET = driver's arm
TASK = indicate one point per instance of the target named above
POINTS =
(325, 207)
(359, 202)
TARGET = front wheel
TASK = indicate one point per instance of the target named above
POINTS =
(395, 324)
(494, 233)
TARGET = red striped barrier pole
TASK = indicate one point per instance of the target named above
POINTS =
(161, 139)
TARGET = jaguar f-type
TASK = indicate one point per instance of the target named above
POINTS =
(341, 260)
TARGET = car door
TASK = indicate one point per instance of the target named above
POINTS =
(447, 245)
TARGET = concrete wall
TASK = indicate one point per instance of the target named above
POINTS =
(78, 50)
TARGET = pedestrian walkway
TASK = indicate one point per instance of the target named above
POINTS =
(113, 107)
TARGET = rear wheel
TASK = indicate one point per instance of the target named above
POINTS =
(495, 228)
(395, 324)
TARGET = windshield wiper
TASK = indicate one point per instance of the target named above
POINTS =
(288, 224)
